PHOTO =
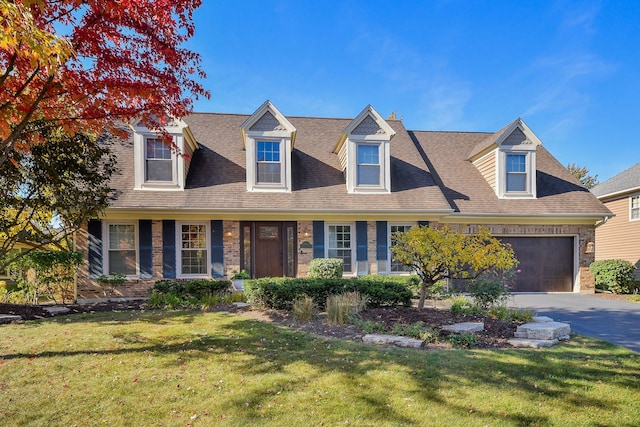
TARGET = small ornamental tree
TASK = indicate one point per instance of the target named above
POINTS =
(441, 253)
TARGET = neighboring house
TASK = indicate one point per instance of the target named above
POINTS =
(619, 237)
(268, 193)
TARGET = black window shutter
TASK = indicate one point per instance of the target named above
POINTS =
(318, 239)
(146, 249)
(217, 248)
(169, 249)
(381, 241)
(423, 223)
(361, 241)
(94, 229)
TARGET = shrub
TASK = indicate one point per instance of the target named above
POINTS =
(240, 275)
(51, 274)
(343, 308)
(186, 289)
(303, 309)
(460, 303)
(511, 314)
(203, 294)
(416, 330)
(463, 340)
(281, 292)
(614, 275)
(326, 268)
(369, 326)
(488, 292)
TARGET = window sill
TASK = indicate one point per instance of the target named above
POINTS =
(517, 195)
(160, 187)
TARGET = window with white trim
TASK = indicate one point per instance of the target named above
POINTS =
(193, 252)
(268, 163)
(121, 249)
(368, 165)
(159, 161)
(395, 266)
(634, 208)
(516, 177)
(368, 169)
(339, 244)
(516, 172)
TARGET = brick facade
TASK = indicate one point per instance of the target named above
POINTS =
(89, 288)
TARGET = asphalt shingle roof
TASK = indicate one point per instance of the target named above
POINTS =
(429, 172)
(558, 192)
(217, 176)
(628, 179)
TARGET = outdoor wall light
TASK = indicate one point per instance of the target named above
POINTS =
(591, 248)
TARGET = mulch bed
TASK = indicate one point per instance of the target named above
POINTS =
(495, 335)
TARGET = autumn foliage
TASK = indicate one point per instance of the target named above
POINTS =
(440, 253)
(84, 64)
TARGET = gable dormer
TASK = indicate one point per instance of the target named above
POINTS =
(158, 165)
(365, 154)
(268, 139)
(507, 160)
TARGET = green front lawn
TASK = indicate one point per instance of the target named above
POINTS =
(170, 368)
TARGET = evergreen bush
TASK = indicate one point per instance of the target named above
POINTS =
(326, 268)
(614, 275)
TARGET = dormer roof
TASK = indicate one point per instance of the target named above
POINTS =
(515, 133)
(269, 121)
(366, 125)
(171, 126)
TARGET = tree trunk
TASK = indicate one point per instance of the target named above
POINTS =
(423, 295)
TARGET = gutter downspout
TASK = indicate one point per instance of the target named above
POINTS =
(604, 221)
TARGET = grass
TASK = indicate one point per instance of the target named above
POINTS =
(176, 368)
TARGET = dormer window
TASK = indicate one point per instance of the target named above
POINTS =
(368, 165)
(162, 165)
(268, 164)
(516, 173)
(364, 153)
(507, 160)
(268, 139)
(159, 161)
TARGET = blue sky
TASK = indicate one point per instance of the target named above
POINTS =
(570, 69)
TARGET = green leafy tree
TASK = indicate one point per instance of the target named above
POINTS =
(49, 192)
(582, 174)
(440, 253)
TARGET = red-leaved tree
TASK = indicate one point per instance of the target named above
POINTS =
(83, 65)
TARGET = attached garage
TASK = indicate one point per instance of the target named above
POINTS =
(546, 263)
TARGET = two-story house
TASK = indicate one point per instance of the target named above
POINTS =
(268, 193)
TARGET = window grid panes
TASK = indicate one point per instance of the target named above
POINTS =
(368, 165)
(635, 208)
(193, 249)
(268, 162)
(516, 172)
(339, 245)
(122, 249)
(397, 267)
(159, 161)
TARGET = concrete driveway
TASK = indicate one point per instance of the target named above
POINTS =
(613, 321)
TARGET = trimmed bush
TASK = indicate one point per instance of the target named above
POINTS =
(281, 292)
(614, 275)
(186, 289)
(326, 268)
